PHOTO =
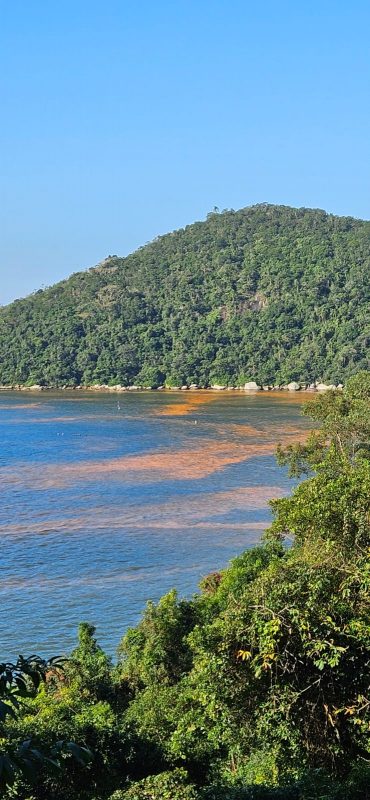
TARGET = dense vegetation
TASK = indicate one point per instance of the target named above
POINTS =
(258, 688)
(268, 293)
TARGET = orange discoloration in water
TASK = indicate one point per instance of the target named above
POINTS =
(19, 406)
(204, 459)
(180, 513)
(190, 401)
(180, 465)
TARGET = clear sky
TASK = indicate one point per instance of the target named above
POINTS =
(121, 120)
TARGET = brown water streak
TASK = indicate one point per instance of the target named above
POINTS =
(190, 401)
(184, 464)
(175, 513)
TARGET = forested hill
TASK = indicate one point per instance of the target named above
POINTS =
(267, 293)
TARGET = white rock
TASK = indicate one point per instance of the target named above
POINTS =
(324, 387)
(251, 386)
(293, 387)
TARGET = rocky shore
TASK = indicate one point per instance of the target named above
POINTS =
(251, 387)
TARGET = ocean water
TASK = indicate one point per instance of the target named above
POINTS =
(108, 501)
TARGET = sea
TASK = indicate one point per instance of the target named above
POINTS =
(111, 500)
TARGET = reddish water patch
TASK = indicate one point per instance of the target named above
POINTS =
(190, 401)
(204, 460)
(19, 406)
(195, 511)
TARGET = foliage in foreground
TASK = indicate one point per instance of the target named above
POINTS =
(267, 293)
(19, 682)
(258, 687)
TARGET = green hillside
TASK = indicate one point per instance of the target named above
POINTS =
(267, 293)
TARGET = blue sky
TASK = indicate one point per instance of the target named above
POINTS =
(123, 120)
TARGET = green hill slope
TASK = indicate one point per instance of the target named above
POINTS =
(268, 293)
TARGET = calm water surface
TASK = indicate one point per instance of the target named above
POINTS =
(109, 501)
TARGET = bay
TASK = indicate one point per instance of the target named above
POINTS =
(108, 501)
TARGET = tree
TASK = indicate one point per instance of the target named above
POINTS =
(18, 682)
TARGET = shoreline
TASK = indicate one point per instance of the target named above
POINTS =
(248, 389)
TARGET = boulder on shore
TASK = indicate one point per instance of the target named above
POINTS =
(252, 386)
(324, 387)
(293, 386)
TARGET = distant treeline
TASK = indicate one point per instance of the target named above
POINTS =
(267, 293)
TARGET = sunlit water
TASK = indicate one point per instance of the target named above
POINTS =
(108, 501)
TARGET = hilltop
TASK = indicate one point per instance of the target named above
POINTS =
(267, 293)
